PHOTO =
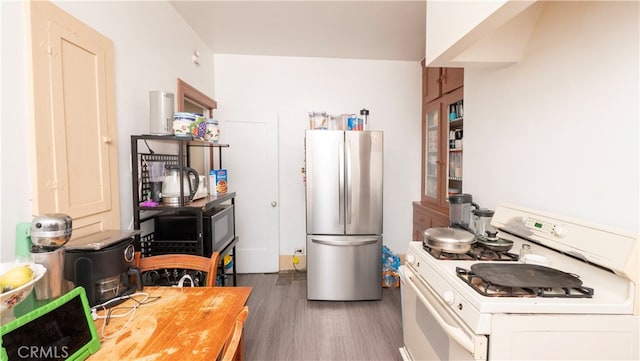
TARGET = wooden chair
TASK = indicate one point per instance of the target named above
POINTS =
(233, 349)
(182, 261)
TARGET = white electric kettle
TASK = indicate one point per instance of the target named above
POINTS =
(171, 192)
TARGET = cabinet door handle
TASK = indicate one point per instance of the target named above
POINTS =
(274, 204)
(107, 140)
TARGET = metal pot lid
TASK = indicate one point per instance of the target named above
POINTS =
(497, 244)
(496, 241)
(524, 276)
(449, 235)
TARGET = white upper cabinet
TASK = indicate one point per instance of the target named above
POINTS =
(478, 33)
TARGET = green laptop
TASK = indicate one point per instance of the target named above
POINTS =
(60, 330)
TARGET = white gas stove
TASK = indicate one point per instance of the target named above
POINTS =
(445, 316)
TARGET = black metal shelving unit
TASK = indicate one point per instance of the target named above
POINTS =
(145, 242)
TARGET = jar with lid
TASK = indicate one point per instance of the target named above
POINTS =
(200, 127)
(212, 133)
(183, 124)
(524, 250)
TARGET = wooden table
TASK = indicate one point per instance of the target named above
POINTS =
(184, 323)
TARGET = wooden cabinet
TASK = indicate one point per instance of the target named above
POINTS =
(441, 152)
(425, 217)
(451, 79)
(431, 88)
(439, 81)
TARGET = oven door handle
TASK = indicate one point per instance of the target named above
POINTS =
(456, 333)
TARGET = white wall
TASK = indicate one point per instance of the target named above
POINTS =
(294, 86)
(559, 130)
(153, 47)
(15, 205)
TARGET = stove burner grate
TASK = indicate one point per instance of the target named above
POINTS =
(489, 289)
(476, 253)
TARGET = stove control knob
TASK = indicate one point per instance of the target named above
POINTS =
(560, 231)
(448, 297)
(410, 258)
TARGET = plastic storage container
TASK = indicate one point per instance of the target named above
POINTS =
(318, 120)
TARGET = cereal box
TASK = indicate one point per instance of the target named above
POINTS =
(218, 181)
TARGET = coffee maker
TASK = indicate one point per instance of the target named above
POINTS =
(102, 263)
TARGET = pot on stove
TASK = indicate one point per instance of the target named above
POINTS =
(450, 240)
(492, 242)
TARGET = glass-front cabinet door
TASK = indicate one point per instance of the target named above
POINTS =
(432, 154)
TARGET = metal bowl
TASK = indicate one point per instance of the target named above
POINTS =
(51, 230)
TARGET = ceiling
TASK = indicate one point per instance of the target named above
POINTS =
(387, 30)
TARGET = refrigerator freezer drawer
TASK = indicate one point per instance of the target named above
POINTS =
(344, 268)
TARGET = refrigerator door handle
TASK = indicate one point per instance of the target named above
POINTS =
(341, 184)
(343, 243)
(347, 180)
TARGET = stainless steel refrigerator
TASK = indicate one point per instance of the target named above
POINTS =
(344, 214)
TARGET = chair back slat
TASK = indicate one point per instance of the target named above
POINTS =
(182, 261)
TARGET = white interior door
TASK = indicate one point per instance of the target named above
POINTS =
(252, 164)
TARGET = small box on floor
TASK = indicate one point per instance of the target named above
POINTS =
(218, 181)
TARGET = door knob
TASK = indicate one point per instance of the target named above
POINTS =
(274, 204)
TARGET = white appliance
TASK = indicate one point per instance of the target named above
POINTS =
(344, 214)
(161, 112)
(594, 318)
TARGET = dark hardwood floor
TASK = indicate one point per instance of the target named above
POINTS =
(283, 325)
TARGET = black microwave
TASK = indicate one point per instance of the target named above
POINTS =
(217, 226)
